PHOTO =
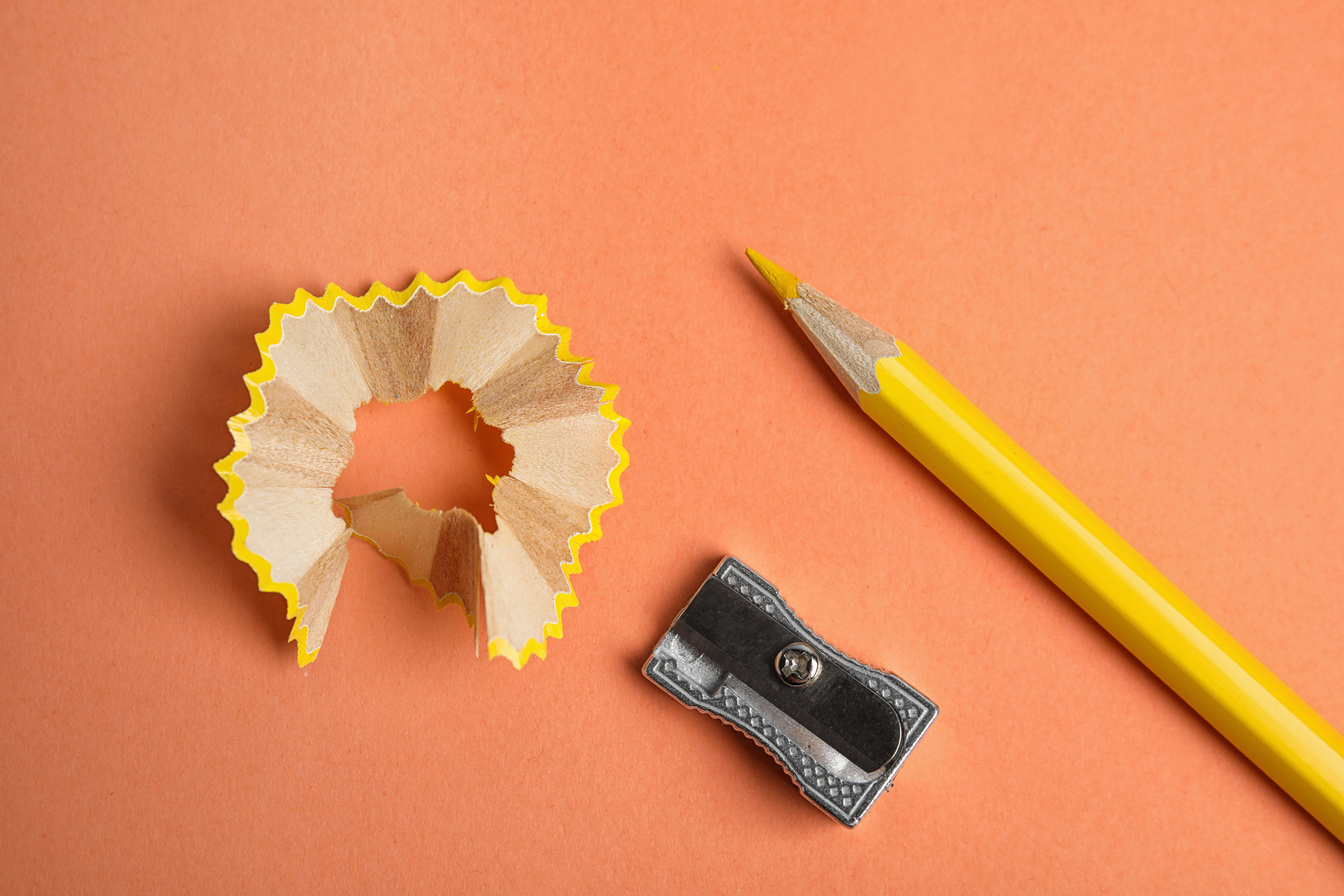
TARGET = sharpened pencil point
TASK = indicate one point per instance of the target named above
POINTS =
(784, 283)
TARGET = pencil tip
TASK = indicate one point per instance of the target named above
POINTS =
(784, 283)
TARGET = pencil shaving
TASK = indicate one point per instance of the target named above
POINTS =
(324, 356)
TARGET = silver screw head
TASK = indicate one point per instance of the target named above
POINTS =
(798, 665)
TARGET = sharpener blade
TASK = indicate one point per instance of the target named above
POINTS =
(842, 735)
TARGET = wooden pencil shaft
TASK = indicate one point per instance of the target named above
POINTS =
(1101, 572)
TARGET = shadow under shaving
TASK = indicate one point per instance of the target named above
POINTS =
(208, 390)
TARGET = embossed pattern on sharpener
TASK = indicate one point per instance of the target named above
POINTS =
(845, 800)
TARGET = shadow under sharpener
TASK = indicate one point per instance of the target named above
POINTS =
(842, 736)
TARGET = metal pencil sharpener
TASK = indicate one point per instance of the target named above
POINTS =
(840, 729)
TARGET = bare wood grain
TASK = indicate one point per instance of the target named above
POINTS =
(397, 527)
(535, 385)
(570, 457)
(391, 344)
(519, 602)
(544, 525)
(438, 548)
(476, 333)
(851, 345)
(313, 357)
(456, 568)
(293, 443)
(318, 588)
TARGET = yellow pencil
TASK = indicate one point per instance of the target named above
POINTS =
(1078, 552)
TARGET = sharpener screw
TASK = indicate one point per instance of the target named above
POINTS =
(798, 665)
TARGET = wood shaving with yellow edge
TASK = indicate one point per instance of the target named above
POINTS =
(324, 356)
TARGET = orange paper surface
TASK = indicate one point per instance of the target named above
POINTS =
(1117, 231)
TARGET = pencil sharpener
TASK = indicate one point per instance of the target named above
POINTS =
(839, 728)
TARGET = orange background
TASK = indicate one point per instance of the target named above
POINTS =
(1118, 231)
